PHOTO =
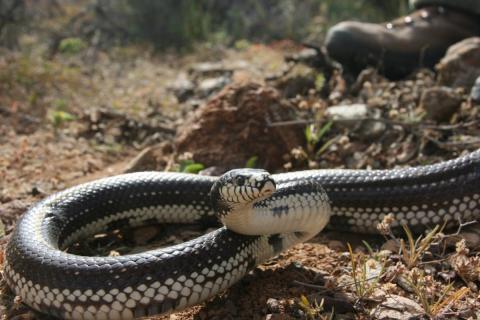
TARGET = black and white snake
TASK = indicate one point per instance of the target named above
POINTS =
(272, 211)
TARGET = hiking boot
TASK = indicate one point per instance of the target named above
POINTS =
(399, 47)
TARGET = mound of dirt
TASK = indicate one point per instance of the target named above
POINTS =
(234, 127)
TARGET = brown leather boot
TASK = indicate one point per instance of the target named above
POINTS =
(399, 47)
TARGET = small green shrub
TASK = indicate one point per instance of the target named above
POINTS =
(71, 46)
(58, 117)
(189, 166)
(251, 162)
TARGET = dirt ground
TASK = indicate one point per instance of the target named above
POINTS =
(68, 120)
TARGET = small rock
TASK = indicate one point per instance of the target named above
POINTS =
(472, 238)
(461, 64)
(209, 69)
(345, 281)
(373, 270)
(371, 129)
(182, 88)
(391, 245)
(336, 245)
(403, 282)
(447, 276)
(303, 55)
(212, 171)
(440, 103)
(277, 316)
(369, 75)
(384, 253)
(273, 305)
(397, 307)
(475, 93)
(208, 86)
(354, 118)
(298, 80)
(143, 235)
(347, 112)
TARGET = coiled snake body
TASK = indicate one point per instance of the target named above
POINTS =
(272, 211)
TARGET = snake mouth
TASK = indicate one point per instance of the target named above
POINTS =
(268, 188)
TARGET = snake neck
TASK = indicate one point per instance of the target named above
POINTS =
(242, 220)
(287, 211)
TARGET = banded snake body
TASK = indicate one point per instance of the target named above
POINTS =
(273, 211)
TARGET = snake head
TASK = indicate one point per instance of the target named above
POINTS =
(239, 188)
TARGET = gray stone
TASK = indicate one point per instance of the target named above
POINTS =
(211, 85)
(359, 119)
(475, 93)
(440, 103)
(397, 307)
(273, 305)
(347, 112)
(182, 88)
(461, 65)
(371, 129)
(208, 69)
(213, 171)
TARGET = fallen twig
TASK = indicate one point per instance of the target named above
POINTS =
(383, 120)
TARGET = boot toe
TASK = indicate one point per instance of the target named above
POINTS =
(350, 43)
(339, 38)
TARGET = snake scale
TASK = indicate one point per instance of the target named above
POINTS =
(273, 212)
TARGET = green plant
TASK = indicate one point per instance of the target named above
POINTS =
(312, 310)
(189, 166)
(319, 81)
(71, 46)
(367, 245)
(433, 300)
(314, 135)
(58, 117)
(416, 248)
(251, 162)
(242, 44)
(364, 284)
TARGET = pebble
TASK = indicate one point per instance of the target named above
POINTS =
(397, 307)
(440, 103)
(278, 316)
(475, 93)
(385, 253)
(347, 112)
(210, 85)
(273, 305)
(391, 245)
(460, 66)
(353, 116)
(143, 235)
(336, 245)
(183, 88)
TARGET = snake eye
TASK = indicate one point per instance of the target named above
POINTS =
(240, 181)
